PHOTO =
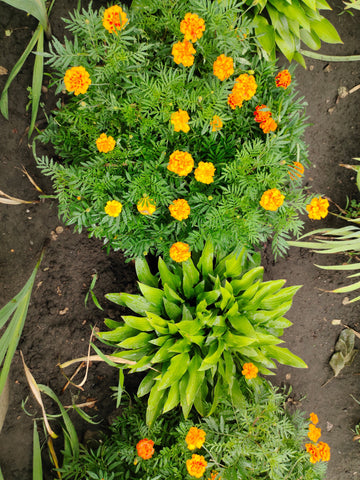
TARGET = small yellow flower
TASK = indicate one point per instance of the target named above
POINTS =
(249, 371)
(113, 208)
(196, 465)
(223, 67)
(105, 143)
(318, 208)
(314, 418)
(192, 27)
(314, 433)
(114, 19)
(216, 123)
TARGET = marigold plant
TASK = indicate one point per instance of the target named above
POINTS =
(179, 209)
(272, 199)
(172, 106)
(249, 371)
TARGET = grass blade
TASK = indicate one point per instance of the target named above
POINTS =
(37, 80)
(37, 464)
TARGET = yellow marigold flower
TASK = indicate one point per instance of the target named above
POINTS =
(283, 79)
(180, 121)
(183, 52)
(114, 19)
(269, 125)
(223, 67)
(195, 438)
(318, 208)
(272, 199)
(146, 205)
(262, 113)
(204, 173)
(145, 448)
(324, 451)
(180, 252)
(297, 169)
(216, 123)
(192, 27)
(245, 86)
(196, 465)
(77, 80)
(249, 371)
(105, 143)
(179, 209)
(314, 418)
(314, 433)
(314, 452)
(113, 208)
(181, 163)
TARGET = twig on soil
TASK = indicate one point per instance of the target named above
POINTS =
(72, 376)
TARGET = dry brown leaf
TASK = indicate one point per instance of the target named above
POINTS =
(31, 180)
(96, 358)
(3, 70)
(12, 200)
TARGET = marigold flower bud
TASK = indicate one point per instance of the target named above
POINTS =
(216, 123)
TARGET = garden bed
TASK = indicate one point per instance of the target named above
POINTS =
(58, 325)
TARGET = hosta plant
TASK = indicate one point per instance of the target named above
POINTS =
(251, 440)
(169, 135)
(197, 325)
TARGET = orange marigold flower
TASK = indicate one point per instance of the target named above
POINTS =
(204, 173)
(235, 100)
(262, 113)
(216, 123)
(283, 79)
(192, 27)
(183, 52)
(249, 371)
(77, 80)
(105, 143)
(314, 433)
(179, 209)
(318, 208)
(114, 19)
(145, 448)
(314, 452)
(195, 438)
(196, 465)
(180, 121)
(113, 208)
(180, 252)
(269, 125)
(272, 199)
(313, 417)
(297, 169)
(146, 205)
(214, 476)
(324, 451)
(223, 67)
(181, 163)
(245, 86)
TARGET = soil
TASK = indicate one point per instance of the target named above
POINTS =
(58, 324)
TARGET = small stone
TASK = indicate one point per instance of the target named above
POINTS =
(64, 312)
(59, 230)
(327, 68)
(288, 376)
(44, 89)
(311, 68)
(343, 92)
(329, 426)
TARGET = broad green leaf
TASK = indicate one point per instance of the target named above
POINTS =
(347, 288)
(189, 327)
(196, 378)
(155, 404)
(206, 261)
(242, 325)
(144, 274)
(119, 334)
(323, 5)
(294, 12)
(266, 289)
(247, 280)
(214, 355)
(180, 346)
(173, 398)
(310, 39)
(112, 323)
(178, 366)
(234, 265)
(229, 373)
(136, 342)
(171, 295)
(186, 314)
(147, 383)
(265, 339)
(249, 293)
(311, 4)
(167, 277)
(226, 298)
(274, 301)
(218, 393)
(284, 356)
(209, 297)
(153, 295)
(183, 384)
(163, 354)
(325, 31)
(158, 323)
(237, 341)
(173, 311)
(136, 303)
(265, 35)
(160, 340)
(298, 57)
(263, 316)
(286, 45)
(138, 323)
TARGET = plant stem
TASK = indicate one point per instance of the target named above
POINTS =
(331, 58)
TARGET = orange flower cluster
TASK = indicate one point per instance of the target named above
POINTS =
(204, 173)
(244, 89)
(297, 169)
(181, 163)
(113, 208)
(114, 19)
(214, 476)
(317, 208)
(105, 143)
(180, 121)
(192, 27)
(183, 52)
(196, 465)
(146, 205)
(195, 438)
(145, 448)
(216, 123)
(272, 199)
(179, 209)
(77, 80)
(318, 451)
(180, 252)
(223, 67)
(283, 79)
(263, 116)
(249, 371)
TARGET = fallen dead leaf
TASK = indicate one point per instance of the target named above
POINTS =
(3, 70)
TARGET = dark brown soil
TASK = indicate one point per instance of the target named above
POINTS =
(58, 325)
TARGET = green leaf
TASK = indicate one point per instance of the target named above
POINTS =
(153, 295)
(286, 45)
(158, 323)
(310, 39)
(180, 346)
(247, 280)
(237, 341)
(235, 263)
(163, 354)
(36, 8)
(209, 297)
(274, 301)
(189, 327)
(37, 464)
(178, 366)
(173, 398)
(155, 404)
(206, 261)
(167, 277)
(119, 334)
(136, 303)
(184, 382)
(311, 4)
(138, 341)
(138, 323)
(325, 31)
(323, 5)
(264, 316)
(172, 310)
(186, 314)
(147, 383)
(266, 289)
(284, 356)
(196, 378)
(265, 35)
(242, 325)
(212, 358)
(144, 274)
(190, 278)
(171, 295)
